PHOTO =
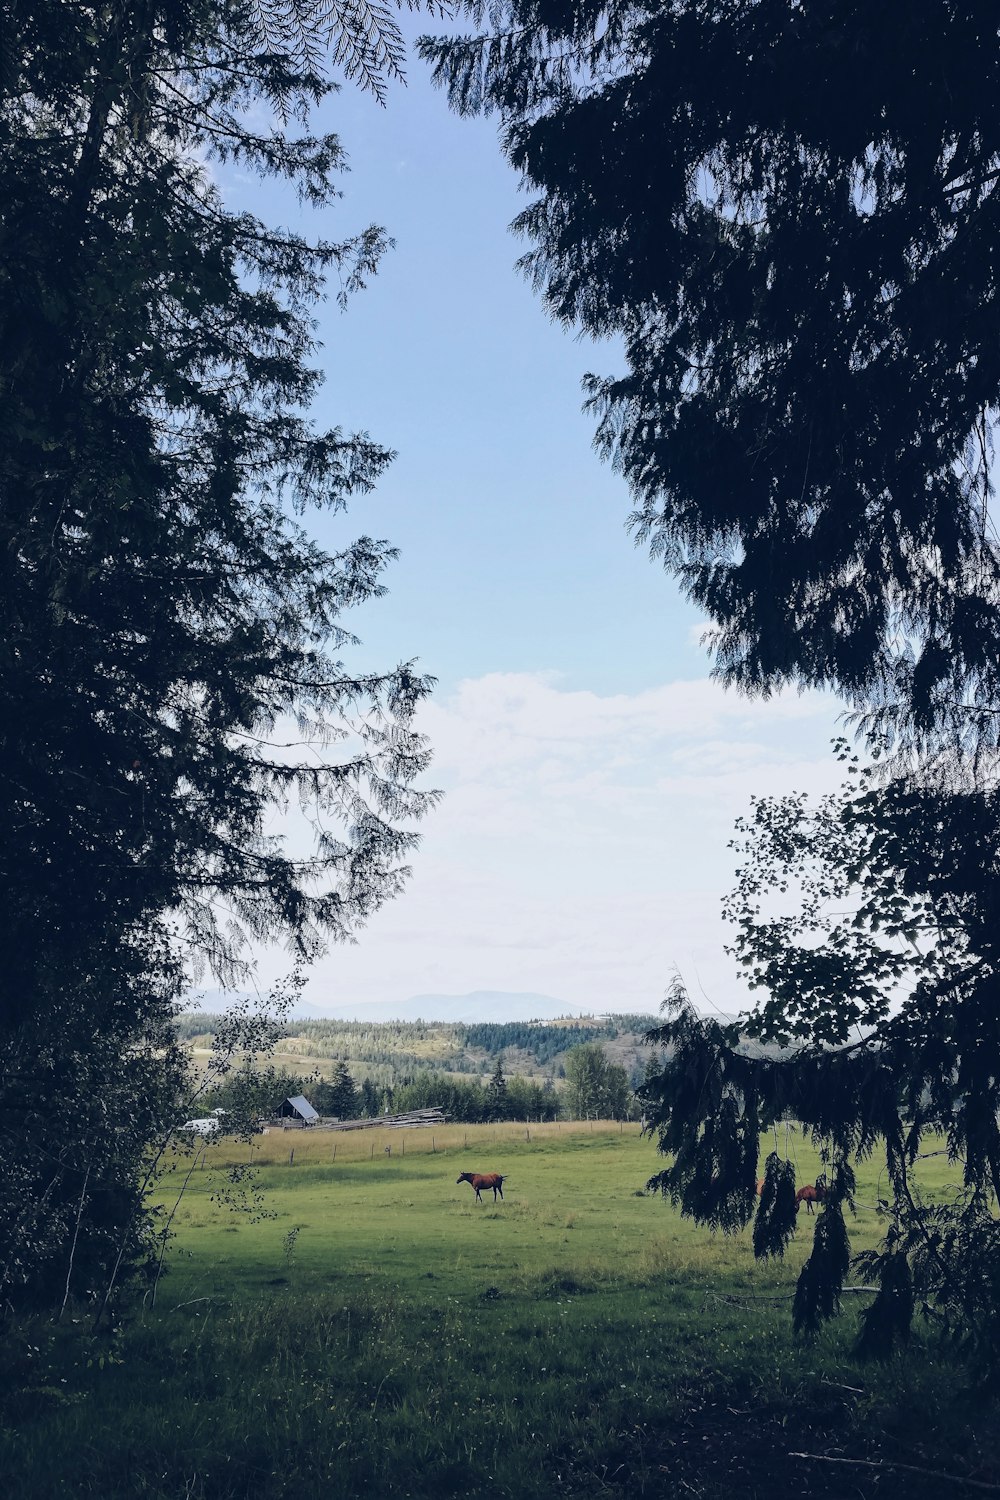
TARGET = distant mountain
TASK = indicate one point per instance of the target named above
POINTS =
(480, 1005)
(472, 1009)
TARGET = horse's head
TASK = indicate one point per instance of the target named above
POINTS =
(464, 1177)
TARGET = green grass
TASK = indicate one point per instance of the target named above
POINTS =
(577, 1339)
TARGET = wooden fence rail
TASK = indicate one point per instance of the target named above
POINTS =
(417, 1119)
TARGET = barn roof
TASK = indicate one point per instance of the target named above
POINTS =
(302, 1107)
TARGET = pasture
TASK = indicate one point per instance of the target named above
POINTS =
(385, 1335)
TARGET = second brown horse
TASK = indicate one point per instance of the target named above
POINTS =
(809, 1195)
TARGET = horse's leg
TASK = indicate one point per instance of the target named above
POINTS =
(499, 1190)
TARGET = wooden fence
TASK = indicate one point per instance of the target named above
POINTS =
(416, 1119)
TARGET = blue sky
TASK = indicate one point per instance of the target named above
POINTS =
(592, 771)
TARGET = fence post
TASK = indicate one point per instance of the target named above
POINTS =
(291, 1157)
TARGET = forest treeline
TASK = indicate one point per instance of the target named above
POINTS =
(592, 1086)
(344, 1097)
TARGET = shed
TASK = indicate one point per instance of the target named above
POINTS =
(298, 1108)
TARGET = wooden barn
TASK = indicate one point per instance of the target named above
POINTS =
(298, 1108)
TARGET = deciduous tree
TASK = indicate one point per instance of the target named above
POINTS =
(596, 1088)
(880, 971)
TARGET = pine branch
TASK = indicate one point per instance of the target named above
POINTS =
(361, 37)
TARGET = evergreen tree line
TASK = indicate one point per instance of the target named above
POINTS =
(540, 1041)
(475, 1103)
(252, 1094)
(595, 1088)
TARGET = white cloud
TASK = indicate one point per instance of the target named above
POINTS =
(581, 846)
(505, 718)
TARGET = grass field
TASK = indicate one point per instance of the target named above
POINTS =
(385, 1335)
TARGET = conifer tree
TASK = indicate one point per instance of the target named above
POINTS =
(785, 213)
(341, 1092)
(173, 655)
(496, 1093)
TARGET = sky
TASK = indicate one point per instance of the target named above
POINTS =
(592, 771)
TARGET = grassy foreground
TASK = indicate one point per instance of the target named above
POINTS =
(385, 1335)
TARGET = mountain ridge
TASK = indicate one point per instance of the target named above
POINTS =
(475, 1007)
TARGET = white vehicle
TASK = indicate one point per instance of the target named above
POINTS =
(201, 1127)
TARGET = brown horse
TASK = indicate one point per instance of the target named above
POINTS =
(809, 1195)
(480, 1180)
